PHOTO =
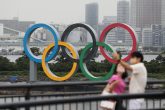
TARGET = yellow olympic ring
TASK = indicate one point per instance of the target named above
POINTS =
(46, 67)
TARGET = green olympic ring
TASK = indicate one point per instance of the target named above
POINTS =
(83, 66)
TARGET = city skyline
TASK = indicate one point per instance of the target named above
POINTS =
(147, 14)
(53, 10)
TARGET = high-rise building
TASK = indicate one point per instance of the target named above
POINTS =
(144, 13)
(153, 37)
(107, 20)
(163, 38)
(122, 17)
(163, 13)
(1, 29)
(147, 38)
(157, 36)
(128, 39)
(123, 11)
(91, 14)
(111, 36)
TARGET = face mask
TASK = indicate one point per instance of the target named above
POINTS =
(133, 60)
(120, 69)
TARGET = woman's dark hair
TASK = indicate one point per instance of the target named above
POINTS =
(125, 74)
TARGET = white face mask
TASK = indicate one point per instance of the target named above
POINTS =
(120, 69)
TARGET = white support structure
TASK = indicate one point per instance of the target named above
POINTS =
(33, 71)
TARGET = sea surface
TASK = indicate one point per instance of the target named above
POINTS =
(148, 58)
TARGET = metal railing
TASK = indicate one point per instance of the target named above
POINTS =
(77, 100)
(32, 85)
(30, 95)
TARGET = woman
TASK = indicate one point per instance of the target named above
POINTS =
(116, 85)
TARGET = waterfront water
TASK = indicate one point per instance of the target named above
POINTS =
(146, 57)
(12, 58)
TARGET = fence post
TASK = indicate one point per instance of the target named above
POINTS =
(33, 71)
(13, 108)
(27, 97)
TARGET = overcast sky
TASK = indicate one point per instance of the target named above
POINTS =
(57, 11)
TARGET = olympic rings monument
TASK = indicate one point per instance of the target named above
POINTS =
(79, 61)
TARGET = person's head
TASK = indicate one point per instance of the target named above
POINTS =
(136, 57)
(120, 70)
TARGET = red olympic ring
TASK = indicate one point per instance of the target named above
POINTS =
(131, 32)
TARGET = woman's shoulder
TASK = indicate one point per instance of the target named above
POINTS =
(113, 78)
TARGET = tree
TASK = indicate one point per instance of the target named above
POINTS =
(6, 65)
(161, 58)
(22, 63)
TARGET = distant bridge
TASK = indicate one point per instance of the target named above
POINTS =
(42, 44)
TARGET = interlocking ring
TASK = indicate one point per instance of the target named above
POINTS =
(131, 32)
(27, 37)
(46, 67)
(86, 54)
(91, 31)
(83, 66)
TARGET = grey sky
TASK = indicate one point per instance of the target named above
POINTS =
(57, 11)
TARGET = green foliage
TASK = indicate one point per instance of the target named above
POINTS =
(6, 65)
(156, 68)
(63, 65)
(22, 63)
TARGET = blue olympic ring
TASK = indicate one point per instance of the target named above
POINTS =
(27, 37)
